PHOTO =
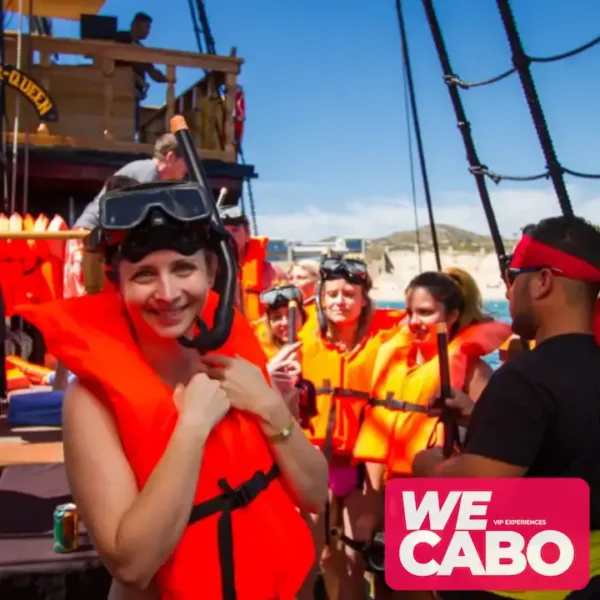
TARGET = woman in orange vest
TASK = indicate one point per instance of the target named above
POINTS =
(273, 331)
(396, 425)
(187, 468)
(274, 328)
(338, 358)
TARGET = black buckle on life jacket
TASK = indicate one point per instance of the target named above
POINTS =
(392, 403)
(244, 494)
(230, 500)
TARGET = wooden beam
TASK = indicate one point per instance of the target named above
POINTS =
(129, 53)
(58, 141)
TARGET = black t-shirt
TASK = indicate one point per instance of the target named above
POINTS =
(124, 37)
(541, 411)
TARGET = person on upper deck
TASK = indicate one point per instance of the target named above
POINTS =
(166, 164)
(139, 30)
(539, 415)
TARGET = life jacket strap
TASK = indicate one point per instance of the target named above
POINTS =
(229, 501)
(392, 403)
(342, 392)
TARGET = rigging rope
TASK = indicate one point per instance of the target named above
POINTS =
(521, 63)
(212, 49)
(465, 130)
(455, 80)
(15, 148)
(521, 60)
(417, 130)
(412, 174)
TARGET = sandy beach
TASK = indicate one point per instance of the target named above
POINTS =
(482, 266)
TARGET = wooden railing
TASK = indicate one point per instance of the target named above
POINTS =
(96, 101)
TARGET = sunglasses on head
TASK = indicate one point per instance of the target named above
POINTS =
(281, 296)
(332, 267)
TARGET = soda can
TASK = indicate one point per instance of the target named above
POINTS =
(66, 528)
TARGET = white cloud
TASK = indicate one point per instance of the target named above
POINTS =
(377, 217)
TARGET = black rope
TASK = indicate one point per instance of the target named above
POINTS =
(497, 177)
(582, 175)
(465, 85)
(196, 26)
(417, 129)
(521, 62)
(465, 130)
(575, 52)
(411, 162)
(250, 195)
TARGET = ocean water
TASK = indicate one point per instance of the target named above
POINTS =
(498, 310)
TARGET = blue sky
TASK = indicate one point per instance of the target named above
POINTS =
(326, 126)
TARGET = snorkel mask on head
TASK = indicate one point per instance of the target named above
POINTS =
(352, 270)
(179, 216)
(279, 296)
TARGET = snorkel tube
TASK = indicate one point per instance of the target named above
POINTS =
(208, 340)
(307, 402)
(447, 416)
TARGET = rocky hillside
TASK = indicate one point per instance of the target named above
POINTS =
(459, 239)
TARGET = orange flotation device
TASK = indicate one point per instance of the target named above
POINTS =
(252, 275)
(16, 379)
(343, 384)
(396, 426)
(35, 374)
(31, 270)
(229, 531)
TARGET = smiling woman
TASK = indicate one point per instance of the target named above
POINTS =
(165, 291)
(184, 436)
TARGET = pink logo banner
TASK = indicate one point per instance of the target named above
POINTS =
(487, 534)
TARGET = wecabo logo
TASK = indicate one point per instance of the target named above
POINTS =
(487, 534)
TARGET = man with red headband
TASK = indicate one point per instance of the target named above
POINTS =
(539, 415)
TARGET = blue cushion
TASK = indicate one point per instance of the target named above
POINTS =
(35, 409)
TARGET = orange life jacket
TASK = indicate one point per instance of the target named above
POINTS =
(242, 512)
(31, 270)
(252, 273)
(396, 426)
(343, 384)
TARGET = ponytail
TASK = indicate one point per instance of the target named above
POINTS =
(472, 310)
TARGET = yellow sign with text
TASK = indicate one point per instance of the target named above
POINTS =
(33, 91)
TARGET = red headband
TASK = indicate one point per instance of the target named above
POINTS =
(531, 253)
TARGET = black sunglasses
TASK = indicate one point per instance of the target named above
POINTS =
(512, 273)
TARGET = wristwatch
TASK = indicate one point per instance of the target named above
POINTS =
(284, 434)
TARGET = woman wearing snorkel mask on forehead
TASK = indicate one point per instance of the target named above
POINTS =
(273, 333)
(406, 375)
(338, 358)
(186, 468)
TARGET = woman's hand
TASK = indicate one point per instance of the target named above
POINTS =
(460, 402)
(286, 360)
(244, 384)
(202, 402)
